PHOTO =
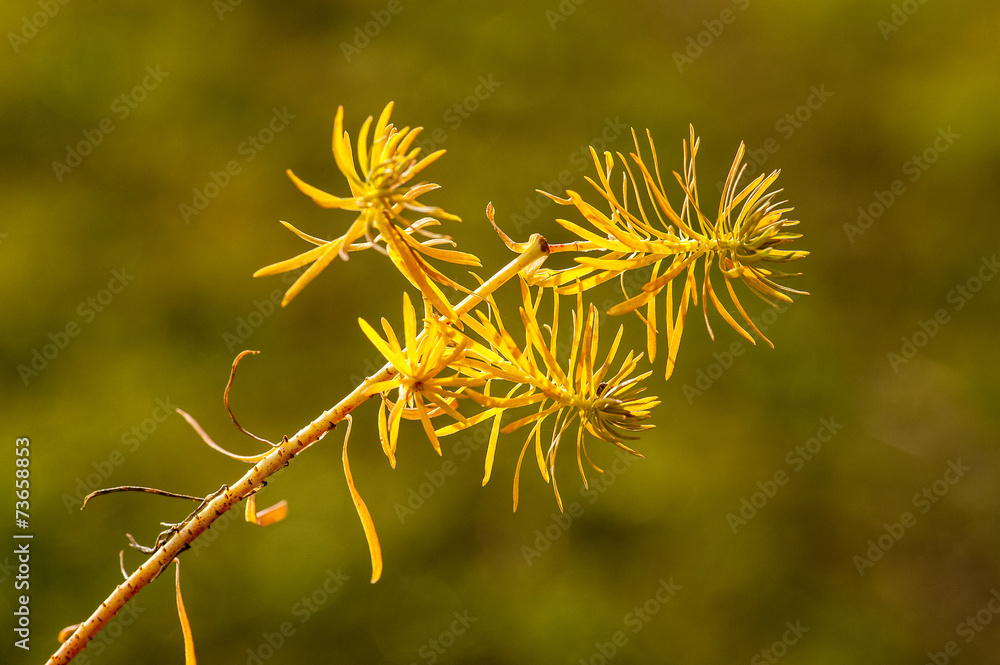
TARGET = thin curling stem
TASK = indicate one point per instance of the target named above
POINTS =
(533, 255)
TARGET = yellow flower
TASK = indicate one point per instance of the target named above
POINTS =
(380, 193)
(743, 241)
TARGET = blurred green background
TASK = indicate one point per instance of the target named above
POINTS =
(841, 95)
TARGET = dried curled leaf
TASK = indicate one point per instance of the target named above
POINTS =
(67, 632)
(189, 658)
(374, 548)
(268, 516)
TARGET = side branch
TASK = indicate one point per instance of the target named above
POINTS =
(533, 255)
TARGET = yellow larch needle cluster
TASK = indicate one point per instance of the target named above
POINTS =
(743, 240)
(381, 194)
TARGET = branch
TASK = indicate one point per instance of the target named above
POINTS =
(534, 253)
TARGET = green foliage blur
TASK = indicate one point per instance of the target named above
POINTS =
(883, 382)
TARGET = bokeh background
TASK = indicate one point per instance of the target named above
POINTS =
(887, 107)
